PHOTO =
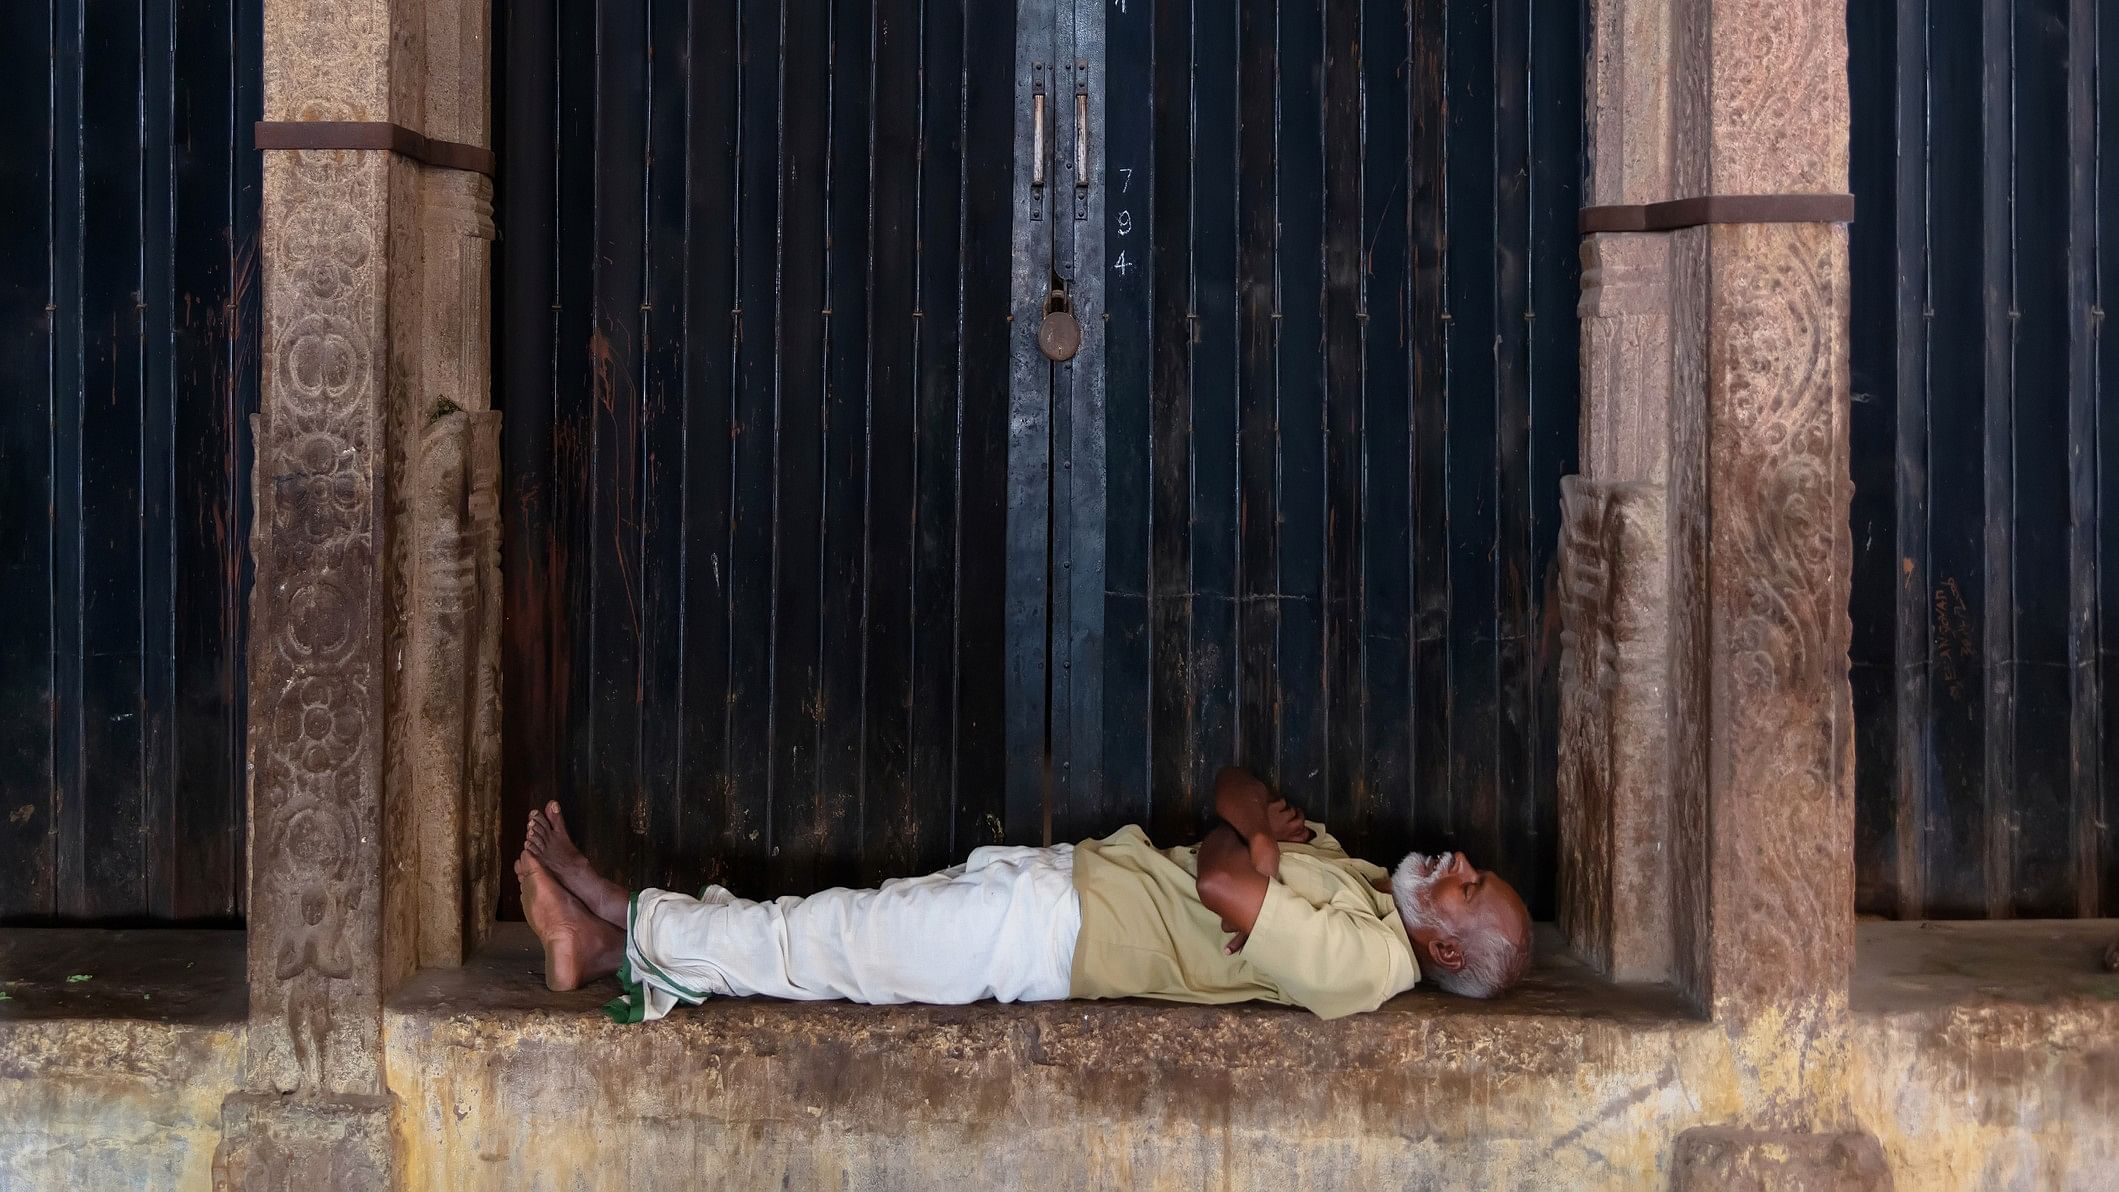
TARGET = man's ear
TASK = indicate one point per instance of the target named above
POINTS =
(1447, 954)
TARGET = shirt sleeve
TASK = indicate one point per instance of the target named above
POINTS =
(1335, 959)
(1322, 840)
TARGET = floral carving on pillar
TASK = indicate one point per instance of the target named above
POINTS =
(314, 697)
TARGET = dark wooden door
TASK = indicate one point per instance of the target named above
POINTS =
(819, 571)
(753, 358)
(128, 369)
(1304, 495)
(1985, 145)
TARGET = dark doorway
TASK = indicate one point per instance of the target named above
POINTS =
(1305, 495)
(753, 294)
(129, 355)
(818, 572)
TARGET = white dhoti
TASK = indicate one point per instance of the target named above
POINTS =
(1002, 926)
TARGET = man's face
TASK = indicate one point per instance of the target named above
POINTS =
(1444, 901)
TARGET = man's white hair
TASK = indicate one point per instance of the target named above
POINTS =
(1492, 961)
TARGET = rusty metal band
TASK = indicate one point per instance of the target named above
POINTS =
(1717, 209)
(376, 135)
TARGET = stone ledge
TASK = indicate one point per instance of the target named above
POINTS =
(1543, 1022)
(1979, 1055)
(116, 1081)
(2049, 965)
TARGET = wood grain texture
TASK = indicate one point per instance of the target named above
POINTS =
(130, 294)
(759, 486)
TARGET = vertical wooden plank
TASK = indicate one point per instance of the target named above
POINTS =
(1556, 166)
(110, 524)
(2038, 792)
(1028, 610)
(1954, 820)
(614, 361)
(67, 256)
(888, 830)
(1380, 817)
(938, 343)
(747, 810)
(1510, 839)
(573, 623)
(988, 113)
(29, 158)
(1914, 646)
(708, 836)
(536, 639)
(1299, 753)
(1873, 243)
(841, 580)
(801, 815)
(2107, 440)
(1079, 489)
(1171, 723)
(663, 542)
(1997, 337)
(1129, 139)
(1473, 297)
(1427, 192)
(1258, 488)
(1215, 348)
(2086, 689)
(213, 270)
(247, 197)
(1342, 409)
(159, 403)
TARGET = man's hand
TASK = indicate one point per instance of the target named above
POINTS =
(1246, 805)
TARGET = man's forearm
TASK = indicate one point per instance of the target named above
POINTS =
(1230, 884)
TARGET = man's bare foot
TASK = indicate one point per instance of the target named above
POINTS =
(548, 841)
(578, 946)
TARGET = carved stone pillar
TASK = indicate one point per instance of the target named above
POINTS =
(375, 610)
(1615, 900)
(1614, 764)
(1706, 748)
(1760, 488)
(1714, 371)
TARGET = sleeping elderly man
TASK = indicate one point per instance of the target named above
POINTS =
(1268, 907)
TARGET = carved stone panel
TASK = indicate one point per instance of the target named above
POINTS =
(453, 680)
(1760, 97)
(302, 1144)
(1625, 310)
(440, 827)
(1628, 86)
(1780, 754)
(1614, 738)
(316, 657)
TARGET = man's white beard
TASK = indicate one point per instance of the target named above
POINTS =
(1412, 889)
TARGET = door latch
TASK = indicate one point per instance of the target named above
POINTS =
(1038, 151)
(1059, 334)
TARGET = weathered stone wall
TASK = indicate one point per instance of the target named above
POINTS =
(1052, 1097)
(112, 1104)
(1978, 1056)
(1976, 1099)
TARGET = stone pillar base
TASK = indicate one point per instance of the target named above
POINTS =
(272, 1142)
(1712, 1159)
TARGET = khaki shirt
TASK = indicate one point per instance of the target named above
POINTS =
(1326, 938)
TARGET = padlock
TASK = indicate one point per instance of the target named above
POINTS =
(1059, 336)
